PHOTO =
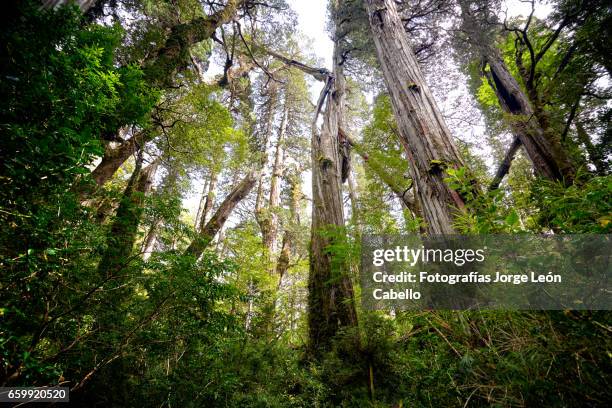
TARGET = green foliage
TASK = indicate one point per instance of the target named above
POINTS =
(165, 329)
(584, 207)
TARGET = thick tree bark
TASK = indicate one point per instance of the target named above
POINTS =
(174, 55)
(430, 147)
(504, 166)
(544, 150)
(216, 222)
(115, 157)
(546, 154)
(330, 291)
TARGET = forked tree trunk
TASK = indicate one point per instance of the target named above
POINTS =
(159, 69)
(545, 152)
(208, 198)
(216, 222)
(330, 291)
(547, 155)
(430, 147)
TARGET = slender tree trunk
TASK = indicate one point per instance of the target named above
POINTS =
(269, 114)
(209, 200)
(354, 198)
(504, 166)
(216, 222)
(277, 174)
(430, 147)
(284, 258)
(330, 291)
(150, 239)
(402, 192)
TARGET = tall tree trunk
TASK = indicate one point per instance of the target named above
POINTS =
(430, 147)
(354, 198)
(504, 166)
(216, 222)
(546, 154)
(284, 258)
(209, 200)
(544, 150)
(277, 174)
(264, 134)
(330, 291)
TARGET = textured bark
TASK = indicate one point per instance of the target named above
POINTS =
(528, 125)
(216, 222)
(174, 55)
(547, 155)
(264, 138)
(277, 174)
(430, 147)
(504, 166)
(114, 158)
(284, 258)
(330, 291)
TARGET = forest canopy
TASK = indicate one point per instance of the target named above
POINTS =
(185, 185)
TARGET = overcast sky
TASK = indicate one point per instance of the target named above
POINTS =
(312, 16)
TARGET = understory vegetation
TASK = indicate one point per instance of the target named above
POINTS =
(161, 244)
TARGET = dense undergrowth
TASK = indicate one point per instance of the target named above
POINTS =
(173, 331)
